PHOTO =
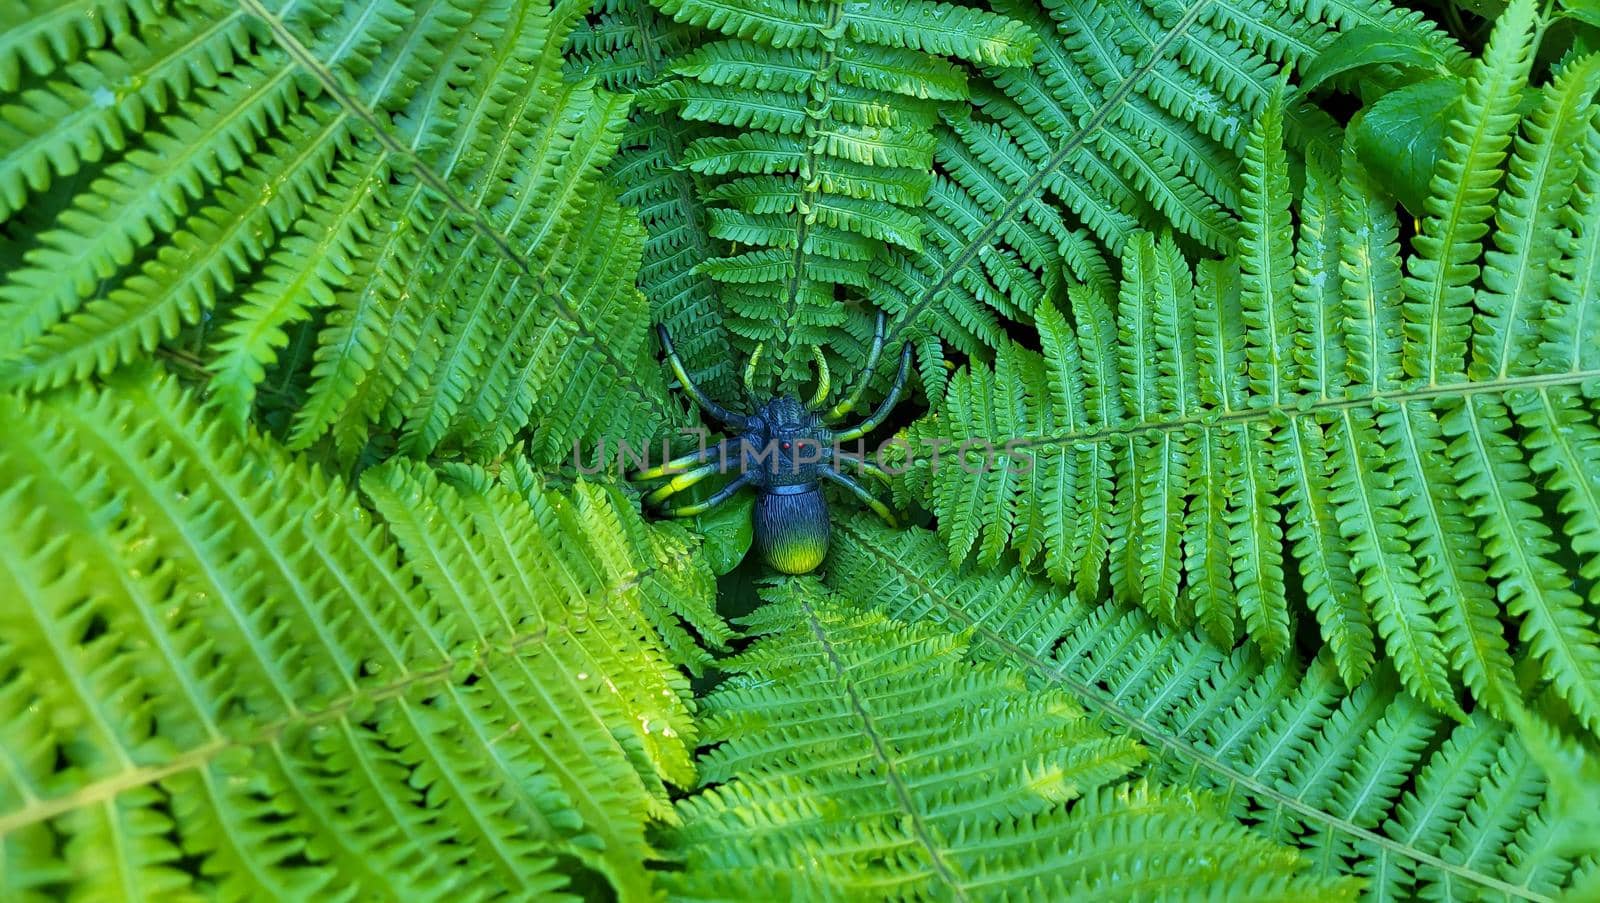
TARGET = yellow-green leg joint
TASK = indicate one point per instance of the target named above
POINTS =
(679, 483)
(861, 493)
(823, 379)
(717, 498)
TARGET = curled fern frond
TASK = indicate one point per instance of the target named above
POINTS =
(1366, 781)
(849, 750)
(216, 655)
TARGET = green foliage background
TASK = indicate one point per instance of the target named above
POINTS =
(1276, 322)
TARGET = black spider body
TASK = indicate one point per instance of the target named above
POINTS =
(784, 443)
(785, 450)
(792, 528)
(786, 446)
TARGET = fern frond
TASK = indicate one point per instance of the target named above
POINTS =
(1366, 781)
(1439, 294)
(248, 176)
(216, 655)
(1132, 115)
(848, 746)
(629, 46)
(1305, 419)
(833, 151)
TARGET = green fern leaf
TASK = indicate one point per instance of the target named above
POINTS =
(1131, 115)
(844, 746)
(1292, 411)
(1542, 170)
(1366, 782)
(227, 679)
(1266, 256)
(835, 154)
(244, 179)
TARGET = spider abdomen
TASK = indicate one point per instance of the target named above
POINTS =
(791, 527)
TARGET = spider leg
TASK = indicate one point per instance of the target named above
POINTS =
(824, 383)
(887, 405)
(750, 372)
(680, 482)
(718, 453)
(866, 497)
(867, 467)
(706, 404)
(717, 498)
(848, 404)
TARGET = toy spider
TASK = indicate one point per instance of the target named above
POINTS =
(784, 449)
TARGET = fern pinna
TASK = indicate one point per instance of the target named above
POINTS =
(1367, 782)
(413, 182)
(1397, 426)
(224, 678)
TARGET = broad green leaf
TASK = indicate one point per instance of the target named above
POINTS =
(1371, 45)
(1587, 11)
(1398, 138)
(726, 532)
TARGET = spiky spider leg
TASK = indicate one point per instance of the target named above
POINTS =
(824, 381)
(680, 482)
(867, 467)
(861, 493)
(718, 453)
(750, 375)
(717, 498)
(887, 405)
(848, 403)
(717, 411)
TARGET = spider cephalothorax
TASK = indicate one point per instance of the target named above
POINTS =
(784, 450)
